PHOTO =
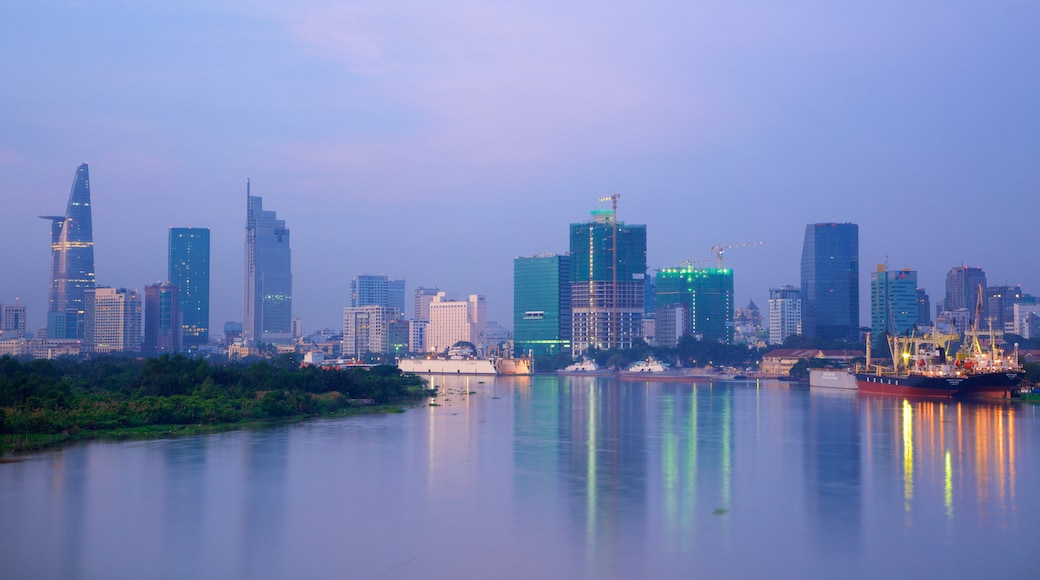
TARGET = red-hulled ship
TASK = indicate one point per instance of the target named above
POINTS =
(924, 370)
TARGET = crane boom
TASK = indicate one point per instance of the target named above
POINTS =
(721, 249)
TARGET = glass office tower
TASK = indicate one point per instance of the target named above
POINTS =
(267, 300)
(830, 281)
(893, 302)
(189, 271)
(705, 297)
(542, 305)
(72, 261)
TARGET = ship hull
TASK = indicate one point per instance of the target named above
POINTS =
(979, 385)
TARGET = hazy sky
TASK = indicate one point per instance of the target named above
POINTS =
(437, 141)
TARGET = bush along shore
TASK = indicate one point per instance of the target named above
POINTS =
(44, 402)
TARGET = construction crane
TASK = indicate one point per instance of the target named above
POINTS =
(612, 328)
(720, 249)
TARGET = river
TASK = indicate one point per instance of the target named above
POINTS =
(546, 477)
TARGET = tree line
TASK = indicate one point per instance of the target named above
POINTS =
(108, 393)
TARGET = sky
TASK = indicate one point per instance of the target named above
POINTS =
(436, 142)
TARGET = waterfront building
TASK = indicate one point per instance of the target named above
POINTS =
(423, 297)
(924, 309)
(830, 281)
(893, 301)
(377, 290)
(705, 297)
(608, 282)
(12, 321)
(366, 330)
(72, 262)
(112, 319)
(542, 304)
(267, 300)
(1025, 321)
(163, 326)
(189, 271)
(453, 321)
(785, 313)
(964, 285)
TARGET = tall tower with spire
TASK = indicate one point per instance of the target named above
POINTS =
(72, 261)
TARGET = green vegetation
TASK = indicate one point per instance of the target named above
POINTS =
(47, 401)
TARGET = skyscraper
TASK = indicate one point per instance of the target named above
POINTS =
(705, 296)
(785, 313)
(542, 304)
(189, 271)
(112, 320)
(72, 261)
(830, 281)
(964, 286)
(893, 301)
(163, 326)
(605, 315)
(423, 297)
(377, 290)
(12, 320)
(267, 300)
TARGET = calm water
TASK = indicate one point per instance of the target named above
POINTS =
(552, 478)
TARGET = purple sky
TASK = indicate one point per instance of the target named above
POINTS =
(437, 141)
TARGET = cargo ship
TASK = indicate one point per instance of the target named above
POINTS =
(923, 369)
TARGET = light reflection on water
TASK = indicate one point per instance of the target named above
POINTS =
(551, 477)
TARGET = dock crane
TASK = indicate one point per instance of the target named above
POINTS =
(721, 249)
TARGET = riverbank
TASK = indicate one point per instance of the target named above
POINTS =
(12, 444)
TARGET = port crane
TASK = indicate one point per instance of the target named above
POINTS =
(721, 249)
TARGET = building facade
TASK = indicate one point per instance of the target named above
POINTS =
(705, 297)
(785, 313)
(421, 306)
(12, 321)
(377, 290)
(113, 320)
(163, 325)
(964, 288)
(924, 309)
(893, 302)
(453, 321)
(366, 330)
(72, 262)
(1000, 306)
(542, 304)
(267, 300)
(608, 281)
(830, 281)
(189, 271)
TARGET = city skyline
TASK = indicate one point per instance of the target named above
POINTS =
(419, 135)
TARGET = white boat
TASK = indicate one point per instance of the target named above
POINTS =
(832, 379)
(585, 367)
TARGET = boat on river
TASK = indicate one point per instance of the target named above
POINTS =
(922, 368)
(585, 368)
(652, 369)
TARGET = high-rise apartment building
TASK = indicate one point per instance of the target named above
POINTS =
(366, 330)
(453, 321)
(542, 304)
(112, 320)
(423, 297)
(705, 296)
(12, 321)
(964, 287)
(785, 313)
(189, 271)
(608, 280)
(1000, 306)
(830, 281)
(893, 302)
(267, 300)
(163, 326)
(72, 262)
(377, 290)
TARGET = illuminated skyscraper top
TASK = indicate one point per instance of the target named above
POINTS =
(267, 299)
(72, 261)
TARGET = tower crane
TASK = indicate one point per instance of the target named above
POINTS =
(612, 328)
(721, 249)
